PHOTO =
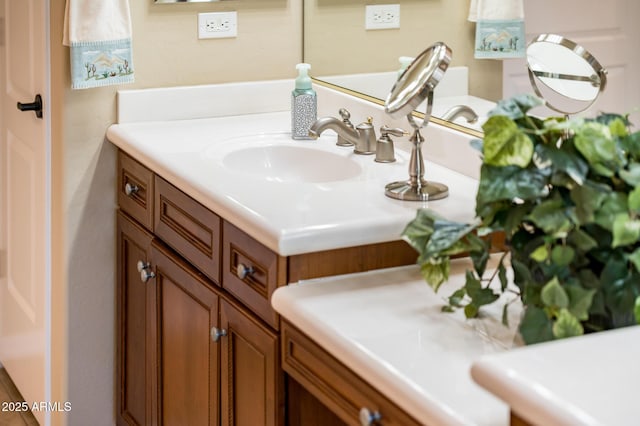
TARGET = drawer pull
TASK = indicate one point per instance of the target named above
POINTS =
(243, 271)
(131, 189)
(145, 273)
(217, 333)
(368, 418)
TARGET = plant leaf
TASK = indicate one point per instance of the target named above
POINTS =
(566, 325)
(517, 106)
(614, 203)
(457, 298)
(510, 183)
(631, 174)
(553, 295)
(636, 310)
(435, 272)
(535, 326)
(562, 255)
(580, 300)
(634, 200)
(634, 258)
(563, 161)
(625, 230)
(505, 315)
(505, 144)
(581, 240)
(595, 143)
(588, 199)
(540, 254)
(551, 216)
(446, 234)
(419, 230)
(502, 276)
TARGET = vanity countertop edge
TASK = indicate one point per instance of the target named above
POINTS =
(288, 218)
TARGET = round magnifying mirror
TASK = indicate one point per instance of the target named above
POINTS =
(415, 85)
(564, 74)
(419, 79)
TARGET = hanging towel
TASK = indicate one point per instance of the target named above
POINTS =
(98, 33)
(499, 28)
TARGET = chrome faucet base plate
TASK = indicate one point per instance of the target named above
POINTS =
(406, 191)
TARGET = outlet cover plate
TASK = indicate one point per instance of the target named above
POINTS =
(382, 16)
(217, 25)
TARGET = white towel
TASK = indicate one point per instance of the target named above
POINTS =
(98, 33)
(499, 28)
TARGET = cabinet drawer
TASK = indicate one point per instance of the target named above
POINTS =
(251, 272)
(189, 227)
(135, 190)
(341, 390)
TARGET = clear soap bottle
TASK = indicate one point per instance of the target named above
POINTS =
(304, 104)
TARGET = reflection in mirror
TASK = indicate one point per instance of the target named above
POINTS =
(415, 85)
(564, 74)
(344, 53)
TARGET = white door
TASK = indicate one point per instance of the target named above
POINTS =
(24, 195)
(608, 30)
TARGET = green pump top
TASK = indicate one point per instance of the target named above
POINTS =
(303, 81)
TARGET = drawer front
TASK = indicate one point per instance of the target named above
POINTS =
(251, 272)
(135, 190)
(188, 227)
(337, 387)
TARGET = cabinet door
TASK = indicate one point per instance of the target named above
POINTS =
(135, 305)
(252, 381)
(188, 362)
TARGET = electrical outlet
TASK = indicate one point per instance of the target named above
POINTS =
(381, 16)
(217, 25)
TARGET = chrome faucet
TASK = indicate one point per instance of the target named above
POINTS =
(363, 136)
(460, 111)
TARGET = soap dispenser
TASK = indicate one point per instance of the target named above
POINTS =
(304, 104)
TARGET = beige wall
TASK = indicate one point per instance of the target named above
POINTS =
(166, 53)
(337, 43)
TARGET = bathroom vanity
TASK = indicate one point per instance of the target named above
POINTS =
(203, 243)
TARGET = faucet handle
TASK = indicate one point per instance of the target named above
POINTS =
(346, 115)
(384, 144)
(386, 131)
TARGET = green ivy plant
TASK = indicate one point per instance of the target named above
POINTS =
(566, 194)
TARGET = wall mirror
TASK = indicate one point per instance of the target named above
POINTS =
(343, 54)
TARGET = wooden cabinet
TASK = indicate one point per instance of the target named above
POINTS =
(135, 302)
(198, 340)
(252, 383)
(187, 358)
(346, 394)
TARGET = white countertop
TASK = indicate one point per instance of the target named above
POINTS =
(387, 326)
(588, 380)
(288, 217)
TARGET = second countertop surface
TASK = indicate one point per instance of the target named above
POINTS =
(387, 326)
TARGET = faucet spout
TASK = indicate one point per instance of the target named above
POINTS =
(336, 125)
(460, 111)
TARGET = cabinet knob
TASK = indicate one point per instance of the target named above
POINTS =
(217, 333)
(243, 271)
(368, 418)
(145, 273)
(131, 189)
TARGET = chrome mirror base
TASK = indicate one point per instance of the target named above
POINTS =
(408, 191)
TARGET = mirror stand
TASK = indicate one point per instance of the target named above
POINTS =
(416, 188)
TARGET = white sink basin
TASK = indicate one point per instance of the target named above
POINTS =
(289, 163)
